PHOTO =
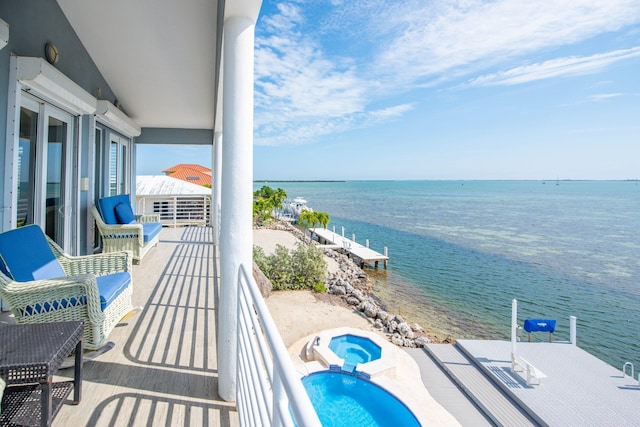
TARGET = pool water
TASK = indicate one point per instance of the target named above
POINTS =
(345, 400)
(355, 349)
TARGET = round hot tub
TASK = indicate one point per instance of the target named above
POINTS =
(345, 400)
(355, 349)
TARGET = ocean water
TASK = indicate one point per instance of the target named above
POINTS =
(460, 251)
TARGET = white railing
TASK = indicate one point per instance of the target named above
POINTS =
(177, 210)
(270, 392)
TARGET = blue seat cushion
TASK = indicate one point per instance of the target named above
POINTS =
(109, 287)
(124, 214)
(25, 255)
(112, 285)
(150, 230)
(107, 207)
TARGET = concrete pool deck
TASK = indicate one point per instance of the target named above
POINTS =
(396, 371)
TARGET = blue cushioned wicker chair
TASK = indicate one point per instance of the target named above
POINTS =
(122, 230)
(40, 283)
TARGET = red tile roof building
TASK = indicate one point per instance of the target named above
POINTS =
(194, 174)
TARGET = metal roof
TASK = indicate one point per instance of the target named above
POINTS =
(162, 185)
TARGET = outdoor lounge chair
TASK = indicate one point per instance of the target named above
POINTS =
(40, 283)
(122, 230)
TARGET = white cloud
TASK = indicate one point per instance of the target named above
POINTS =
(604, 96)
(307, 87)
(447, 36)
(287, 18)
(555, 68)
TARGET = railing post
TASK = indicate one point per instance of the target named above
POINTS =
(175, 212)
(263, 356)
(573, 330)
(514, 325)
(216, 188)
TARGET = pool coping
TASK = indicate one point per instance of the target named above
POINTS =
(321, 352)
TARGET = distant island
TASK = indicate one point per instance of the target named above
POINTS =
(299, 180)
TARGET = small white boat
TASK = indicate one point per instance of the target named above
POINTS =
(293, 209)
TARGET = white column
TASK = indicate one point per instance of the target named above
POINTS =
(216, 188)
(236, 235)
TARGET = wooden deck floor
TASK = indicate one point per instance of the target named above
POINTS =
(162, 371)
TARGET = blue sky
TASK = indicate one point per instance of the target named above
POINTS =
(417, 89)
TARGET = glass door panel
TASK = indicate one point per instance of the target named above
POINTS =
(55, 206)
(26, 166)
(44, 170)
(123, 169)
(119, 176)
(113, 169)
(98, 181)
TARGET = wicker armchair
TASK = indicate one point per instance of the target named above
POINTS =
(40, 283)
(119, 232)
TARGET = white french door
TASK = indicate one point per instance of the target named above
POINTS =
(45, 169)
(111, 160)
(118, 164)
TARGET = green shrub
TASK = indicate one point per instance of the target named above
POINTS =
(319, 288)
(302, 268)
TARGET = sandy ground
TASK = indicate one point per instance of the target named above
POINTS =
(299, 313)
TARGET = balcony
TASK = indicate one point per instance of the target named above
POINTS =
(163, 369)
(164, 366)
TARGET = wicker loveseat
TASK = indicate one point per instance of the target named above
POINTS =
(40, 283)
(122, 230)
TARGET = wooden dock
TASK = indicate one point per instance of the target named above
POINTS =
(355, 250)
(580, 389)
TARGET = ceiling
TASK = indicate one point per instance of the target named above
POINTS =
(158, 56)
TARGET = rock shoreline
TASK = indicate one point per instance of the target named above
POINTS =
(352, 285)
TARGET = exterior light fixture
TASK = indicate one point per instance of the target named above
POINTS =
(51, 53)
(4, 33)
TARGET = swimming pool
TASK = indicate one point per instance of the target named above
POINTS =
(345, 400)
(355, 349)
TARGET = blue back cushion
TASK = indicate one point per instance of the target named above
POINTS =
(124, 214)
(25, 255)
(107, 207)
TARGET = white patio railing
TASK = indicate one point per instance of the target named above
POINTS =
(177, 210)
(270, 392)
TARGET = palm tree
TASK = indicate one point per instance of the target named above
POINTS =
(279, 196)
(265, 201)
(308, 219)
(323, 219)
